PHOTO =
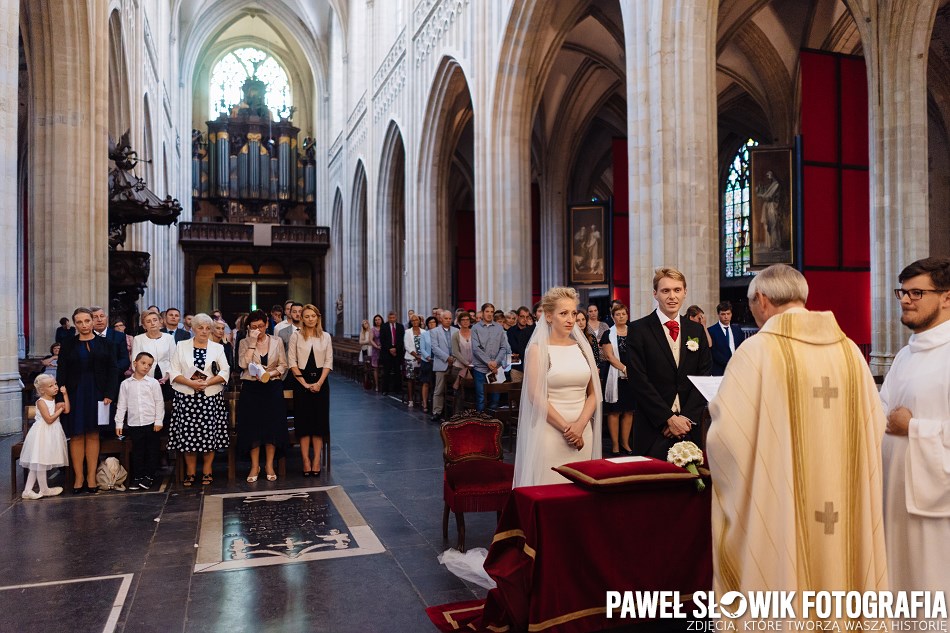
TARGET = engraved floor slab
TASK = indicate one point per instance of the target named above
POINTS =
(243, 530)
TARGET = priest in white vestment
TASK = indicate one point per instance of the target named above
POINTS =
(916, 397)
(794, 451)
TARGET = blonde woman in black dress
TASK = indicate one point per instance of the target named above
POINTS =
(311, 361)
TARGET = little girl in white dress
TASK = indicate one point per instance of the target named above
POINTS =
(45, 443)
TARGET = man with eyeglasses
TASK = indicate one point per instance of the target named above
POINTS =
(795, 453)
(916, 398)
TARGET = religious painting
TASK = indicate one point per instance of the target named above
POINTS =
(588, 245)
(772, 226)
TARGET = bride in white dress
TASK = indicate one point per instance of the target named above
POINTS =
(559, 419)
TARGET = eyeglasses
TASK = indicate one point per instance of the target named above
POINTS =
(915, 294)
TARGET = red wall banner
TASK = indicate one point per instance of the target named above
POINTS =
(835, 189)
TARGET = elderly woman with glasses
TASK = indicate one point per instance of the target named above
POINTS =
(261, 413)
(199, 371)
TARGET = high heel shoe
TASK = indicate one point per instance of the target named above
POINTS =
(252, 478)
(271, 476)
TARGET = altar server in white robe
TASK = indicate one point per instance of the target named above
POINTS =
(794, 451)
(916, 397)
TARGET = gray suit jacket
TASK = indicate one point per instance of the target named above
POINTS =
(441, 347)
(284, 335)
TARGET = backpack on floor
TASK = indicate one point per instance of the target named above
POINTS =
(111, 475)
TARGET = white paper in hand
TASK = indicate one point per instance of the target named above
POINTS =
(707, 385)
(256, 370)
(102, 409)
(500, 375)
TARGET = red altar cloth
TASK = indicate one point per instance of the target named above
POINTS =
(559, 549)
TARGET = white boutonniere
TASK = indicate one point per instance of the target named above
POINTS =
(692, 343)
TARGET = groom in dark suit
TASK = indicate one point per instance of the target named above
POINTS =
(726, 337)
(664, 348)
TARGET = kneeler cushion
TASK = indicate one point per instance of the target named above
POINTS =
(605, 475)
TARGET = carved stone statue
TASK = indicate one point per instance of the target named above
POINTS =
(339, 315)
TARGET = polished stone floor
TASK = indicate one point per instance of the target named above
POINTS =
(126, 561)
(143, 562)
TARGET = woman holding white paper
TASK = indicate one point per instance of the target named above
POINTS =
(559, 419)
(199, 424)
(88, 370)
(261, 413)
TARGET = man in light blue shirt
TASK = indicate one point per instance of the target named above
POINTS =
(442, 360)
(489, 351)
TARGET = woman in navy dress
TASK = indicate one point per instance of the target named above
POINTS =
(88, 370)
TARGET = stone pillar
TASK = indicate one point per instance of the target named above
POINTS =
(67, 52)
(671, 131)
(895, 36)
(10, 411)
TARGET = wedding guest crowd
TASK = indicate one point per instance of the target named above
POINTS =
(189, 361)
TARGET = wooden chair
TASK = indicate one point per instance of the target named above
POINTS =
(463, 398)
(475, 479)
(507, 410)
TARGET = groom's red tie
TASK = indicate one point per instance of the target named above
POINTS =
(674, 328)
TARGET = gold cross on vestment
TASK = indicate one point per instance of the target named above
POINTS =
(829, 517)
(826, 392)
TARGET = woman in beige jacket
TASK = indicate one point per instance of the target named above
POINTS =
(261, 413)
(311, 361)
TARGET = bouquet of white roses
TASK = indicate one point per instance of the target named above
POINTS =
(687, 455)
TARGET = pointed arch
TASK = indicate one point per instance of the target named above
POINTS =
(120, 118)
(355, 260)
(390, 233)
(447, 114)
(534, 34)
(148, 141)
(335, 261)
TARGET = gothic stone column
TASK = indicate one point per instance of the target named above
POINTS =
(671, 123)
(68, 57)
(895, 37)
(10, 404)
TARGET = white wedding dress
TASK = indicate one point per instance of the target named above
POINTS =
(567, 379)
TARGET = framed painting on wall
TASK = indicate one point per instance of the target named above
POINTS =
(772, 225)
(588, 245)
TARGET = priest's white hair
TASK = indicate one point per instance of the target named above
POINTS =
(781, 284)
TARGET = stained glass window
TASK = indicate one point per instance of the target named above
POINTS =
(229, 74)
(735, 215)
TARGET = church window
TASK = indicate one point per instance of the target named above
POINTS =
(233, 69)
(735, 214)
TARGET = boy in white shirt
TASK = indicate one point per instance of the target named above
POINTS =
(140, 399)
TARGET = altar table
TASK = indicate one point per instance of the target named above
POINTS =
(559, 549)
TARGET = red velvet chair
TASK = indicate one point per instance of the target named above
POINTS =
(476, 480)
